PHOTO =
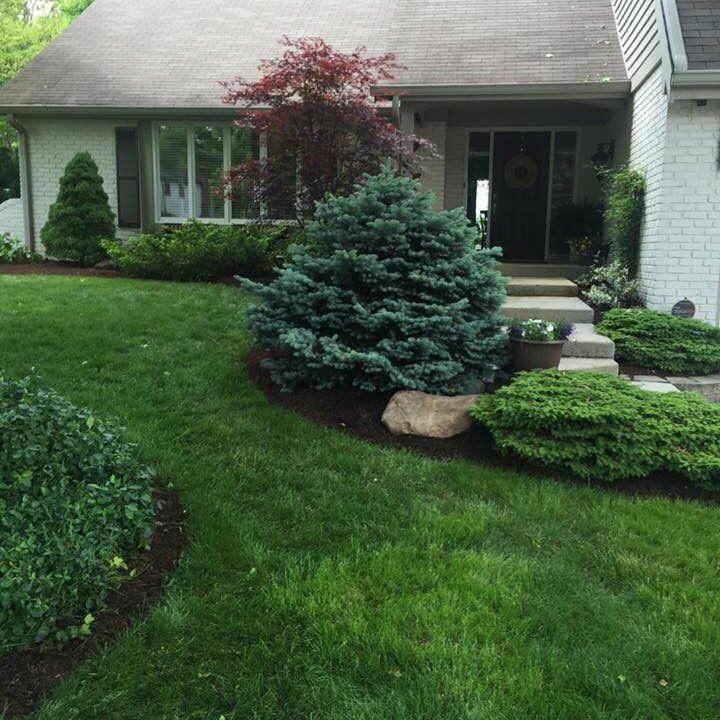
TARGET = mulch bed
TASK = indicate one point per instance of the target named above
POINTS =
(26, 676)
(56, 268)
(357, 413)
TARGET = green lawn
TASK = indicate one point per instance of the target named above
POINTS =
(330, 579)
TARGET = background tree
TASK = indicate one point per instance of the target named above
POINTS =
(323, 126)
(26, 27)
(80, 217)
(395, 296)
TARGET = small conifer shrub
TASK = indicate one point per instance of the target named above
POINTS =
(80, 217)
(392, 294)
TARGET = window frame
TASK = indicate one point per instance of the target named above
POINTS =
(190, 127)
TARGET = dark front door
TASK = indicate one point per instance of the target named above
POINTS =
(521, 162)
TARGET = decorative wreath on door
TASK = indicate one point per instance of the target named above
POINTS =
(521, 172)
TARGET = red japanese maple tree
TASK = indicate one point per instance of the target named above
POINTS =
(322, 124)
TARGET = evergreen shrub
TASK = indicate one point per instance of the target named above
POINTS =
(663, 343)
(200, 251)
(624, 209)
(598, 427)
(75, 503)
(392, 295)
(80, 217)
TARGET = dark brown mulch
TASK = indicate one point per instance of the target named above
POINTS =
(358, 413)
(52, 267)
(633, 370)
(26, 676)
(56, 268)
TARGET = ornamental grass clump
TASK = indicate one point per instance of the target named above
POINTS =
(597, 427)
(75, 504)
(663, 343)
(392, 296)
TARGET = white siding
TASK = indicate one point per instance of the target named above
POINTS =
(53, 143)
(681, 248)
(433, 171)
(455, 167)
(637, 24)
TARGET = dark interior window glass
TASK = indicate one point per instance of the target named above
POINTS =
(128, 178)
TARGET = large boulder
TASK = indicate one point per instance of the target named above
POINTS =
(411, 412)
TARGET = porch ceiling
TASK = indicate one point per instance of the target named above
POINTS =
(501, 113)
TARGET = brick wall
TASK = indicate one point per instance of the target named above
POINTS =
(647, 154)
(53, 143)
(686, 250)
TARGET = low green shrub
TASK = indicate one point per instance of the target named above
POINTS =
(74, 503)
(663, 343)
(200, 251)
(609, 286)
(598, 427)
(12, 251)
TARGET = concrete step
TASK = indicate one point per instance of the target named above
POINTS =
(525, 307)
(586, 343)
(543, 270)
(573, 364)
(542, 286)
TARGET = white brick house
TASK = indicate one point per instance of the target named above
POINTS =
(521, 99)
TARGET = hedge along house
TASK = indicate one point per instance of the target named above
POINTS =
(522, 99)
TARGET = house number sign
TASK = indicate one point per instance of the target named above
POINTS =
(683, 309)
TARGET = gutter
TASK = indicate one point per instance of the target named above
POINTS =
(528, 91)
(25, 181)
(104, 111)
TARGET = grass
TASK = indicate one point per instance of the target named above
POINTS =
(329, 579)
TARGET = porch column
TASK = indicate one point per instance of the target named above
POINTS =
(432, 126)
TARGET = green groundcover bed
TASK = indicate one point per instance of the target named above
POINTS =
(326, 578)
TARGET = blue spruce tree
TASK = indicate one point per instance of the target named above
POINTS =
(392, 296)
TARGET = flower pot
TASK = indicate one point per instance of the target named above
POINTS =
(536, 354)
(585, 259)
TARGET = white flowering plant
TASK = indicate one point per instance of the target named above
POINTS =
(541, 330)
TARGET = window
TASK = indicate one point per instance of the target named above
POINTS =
(244, 146)
(128, 177)
(190, 162)
(564, 220)
(209, 168)
(478, 185)
(173, 168)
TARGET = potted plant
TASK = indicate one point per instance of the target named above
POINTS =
(580, 250)
(538, 344)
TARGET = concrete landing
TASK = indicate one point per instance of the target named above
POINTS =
(542, 286)
(525, 307)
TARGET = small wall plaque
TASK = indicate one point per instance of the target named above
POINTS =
(683, 309)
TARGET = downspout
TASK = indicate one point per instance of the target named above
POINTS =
(25, 181)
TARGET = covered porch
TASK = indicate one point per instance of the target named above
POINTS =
(523, 164)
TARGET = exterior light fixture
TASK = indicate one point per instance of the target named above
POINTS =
(604, 155)
(488, 377)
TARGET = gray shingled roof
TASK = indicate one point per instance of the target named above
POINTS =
(700, 22)
(172, 53)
